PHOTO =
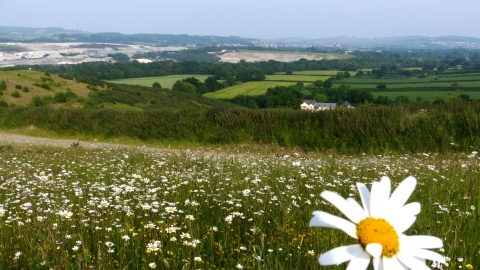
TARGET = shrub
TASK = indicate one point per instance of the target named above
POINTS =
(70, 94)
(25, 89)
(18, 86)
(60, 97)
(3, 103)
(3, 85)
(16, 94)
(37, 101)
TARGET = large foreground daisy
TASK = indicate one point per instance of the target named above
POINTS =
(378, 227)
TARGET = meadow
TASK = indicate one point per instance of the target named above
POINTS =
(248, 88)
(80, 208)
(164, 81)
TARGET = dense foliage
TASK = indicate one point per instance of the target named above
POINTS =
(414, 128)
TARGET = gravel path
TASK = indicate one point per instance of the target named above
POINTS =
(9, 138)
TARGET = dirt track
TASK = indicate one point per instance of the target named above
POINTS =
(9, 138)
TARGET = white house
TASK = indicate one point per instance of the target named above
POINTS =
(316, 106)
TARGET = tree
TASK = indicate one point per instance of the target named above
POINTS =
(402, 99)
(359, 73)
(465, 98)
(231, 80)
(340, 76)
(328, 83)
(347, 74)
(320, 98)
(212, 84)
(156, 85)
(455, 86)
(184, 87)
(318, 83)
(381, 87)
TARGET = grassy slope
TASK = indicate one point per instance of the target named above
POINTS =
(125, 97)
(28, 78)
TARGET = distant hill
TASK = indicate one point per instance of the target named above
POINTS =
(409, 42)
(30, 88)
(28, 34)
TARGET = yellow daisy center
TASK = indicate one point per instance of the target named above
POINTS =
(378, 231)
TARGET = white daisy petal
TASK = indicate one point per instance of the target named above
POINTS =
(357, 207)
(360, 262)
(342, 205)
(340, 255)
(402, 192)
(323, 219)
(411, 209)
(411, 262)
(378, 263)
(401, 223)
(425, 254)
(374, 249)
(421, 241)
(365, 197)
(392, 263)
(379, 198)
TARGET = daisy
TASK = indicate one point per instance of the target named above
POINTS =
(378, 227)
(65, 213)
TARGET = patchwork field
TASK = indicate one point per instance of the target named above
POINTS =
(249, 88)
(164, 81)
(116, 208)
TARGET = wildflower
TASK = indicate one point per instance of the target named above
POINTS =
(239, 266)
(469, 266)
(109, 244)
(243, 248)
(190, 217)
(104, 204)
(379, 228)
(171, 209)
(152, 265)
(150, 225)
(2, 212)
(65, 213)
(75, 248)
(311, 252)
(197, 259)
(229, 219)
(126, 237)
(152, 246)
(185, 235)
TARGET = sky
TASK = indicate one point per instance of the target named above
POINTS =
(262, 19)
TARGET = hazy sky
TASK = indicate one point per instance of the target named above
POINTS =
(251, 18)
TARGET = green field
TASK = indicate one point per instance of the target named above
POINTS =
(165, 81)
(312, 72)
(426, 95)
(296, 78)
(249, 88)
(323, 55)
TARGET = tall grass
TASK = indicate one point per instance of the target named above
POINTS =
(210, 212)
(451, 127)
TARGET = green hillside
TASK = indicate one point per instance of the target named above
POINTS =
(33, 88)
